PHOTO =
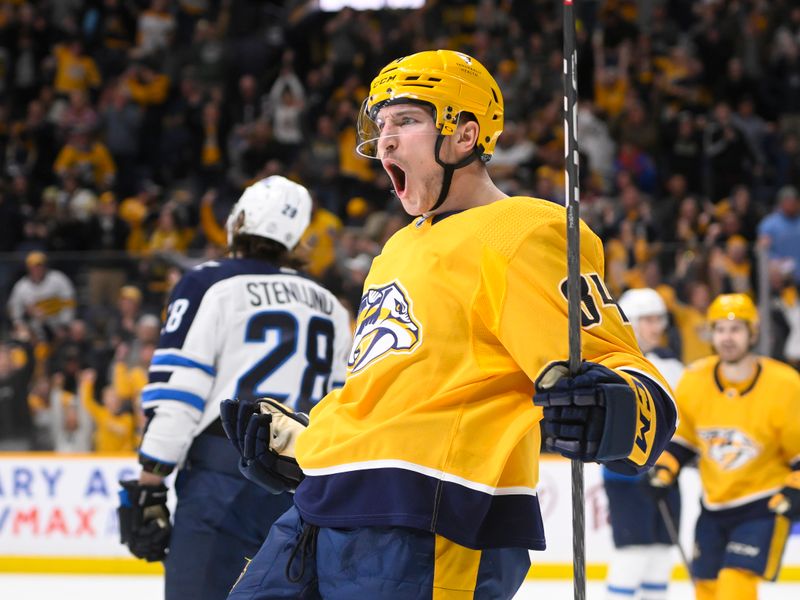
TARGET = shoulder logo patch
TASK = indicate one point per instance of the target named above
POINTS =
(728, 447)
(386, 325)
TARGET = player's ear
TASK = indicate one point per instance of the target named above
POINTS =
(466, 136)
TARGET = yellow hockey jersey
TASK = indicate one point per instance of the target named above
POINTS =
(746, 442)
(435, 427)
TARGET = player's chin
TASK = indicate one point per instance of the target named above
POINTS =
(732, 355)
(414, 205)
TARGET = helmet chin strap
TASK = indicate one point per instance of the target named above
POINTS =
(449, 169)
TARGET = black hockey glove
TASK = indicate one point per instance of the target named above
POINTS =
(144, 519)
(264, 433)
(589, 417)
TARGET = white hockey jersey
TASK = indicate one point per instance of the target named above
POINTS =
(667, 364)
(240, 328)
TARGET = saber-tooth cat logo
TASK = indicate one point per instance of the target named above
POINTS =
(386, 325)
(730, 448)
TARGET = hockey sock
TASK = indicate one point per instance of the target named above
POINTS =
(737, 584)
(705, 589)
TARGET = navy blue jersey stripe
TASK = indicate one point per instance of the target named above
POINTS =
(159, 376)
(403, 498)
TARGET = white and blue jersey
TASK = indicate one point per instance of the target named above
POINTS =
(240, 328)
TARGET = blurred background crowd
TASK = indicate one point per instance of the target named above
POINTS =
(129, 127)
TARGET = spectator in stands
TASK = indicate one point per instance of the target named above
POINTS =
(70, 424)
(779, 232)
(784, 313)
(154, 29)
(74, 70)
(87, 159)
(286, 102)
(44, 298)
(168, 235)
(691, 322)
(114, 422)
(121, 120)
(79, 114)
(121, 325)
(108, 237)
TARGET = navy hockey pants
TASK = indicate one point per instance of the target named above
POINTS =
(634, 515)
(221, 520)
(300, 561)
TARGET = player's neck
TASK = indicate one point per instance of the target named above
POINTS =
(741, 370)
(469, 189)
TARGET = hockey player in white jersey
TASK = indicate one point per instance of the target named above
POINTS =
(641, 564)
(243, 327)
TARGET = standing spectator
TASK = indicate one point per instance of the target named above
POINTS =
(70, 424)
(779, 231)
(154, 29)
(286, 103)
(87, 159)
(691, 322)
(121, 327)
(108, 238)
(114, 423)
(45, 298)
(75, 71)
(683, 154)
(729, 154)
(121, 121)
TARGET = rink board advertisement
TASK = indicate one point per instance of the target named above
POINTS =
(61, 505)
(61, 510)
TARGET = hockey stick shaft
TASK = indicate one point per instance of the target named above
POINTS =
(672, 531)
(573, 281)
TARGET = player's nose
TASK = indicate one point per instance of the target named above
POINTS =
(387, 142)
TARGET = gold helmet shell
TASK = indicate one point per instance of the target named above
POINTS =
(452, 82)
(733, 307)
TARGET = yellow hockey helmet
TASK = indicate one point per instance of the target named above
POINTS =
(450, 81)
(733, 306)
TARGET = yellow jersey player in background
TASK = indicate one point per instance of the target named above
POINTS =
(739, 416)
(417, 479)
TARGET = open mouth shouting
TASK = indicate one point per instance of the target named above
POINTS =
(397, 175)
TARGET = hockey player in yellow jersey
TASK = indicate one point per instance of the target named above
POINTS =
(417, 479)
(738, 417)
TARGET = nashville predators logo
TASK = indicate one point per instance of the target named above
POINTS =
(729, 448)
(385, 325)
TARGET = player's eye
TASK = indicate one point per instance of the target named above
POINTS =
(407, 121)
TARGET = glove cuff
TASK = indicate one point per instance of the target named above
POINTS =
(134, 493)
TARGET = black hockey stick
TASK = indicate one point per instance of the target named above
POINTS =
(574, 281)
(672, 531)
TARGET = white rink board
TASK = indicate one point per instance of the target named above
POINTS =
(61, 505)
(65, 505)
